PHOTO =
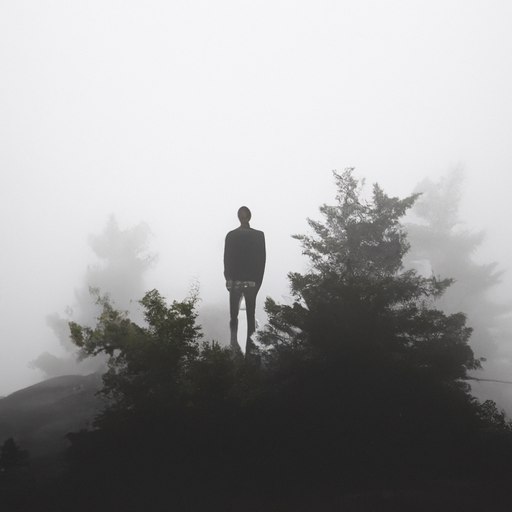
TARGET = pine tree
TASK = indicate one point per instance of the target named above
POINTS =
(357, 299)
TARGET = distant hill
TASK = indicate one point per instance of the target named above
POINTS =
(39, 417)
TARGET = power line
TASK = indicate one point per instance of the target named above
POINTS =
(489, 380)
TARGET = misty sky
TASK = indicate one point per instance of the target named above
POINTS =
(177, 113)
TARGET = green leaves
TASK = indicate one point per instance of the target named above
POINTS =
(147, 364)
(111, 333)
(174, 324)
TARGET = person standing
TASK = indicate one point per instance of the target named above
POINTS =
(244, 266)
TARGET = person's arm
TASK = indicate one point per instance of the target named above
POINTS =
(262, 258)
(228, 263)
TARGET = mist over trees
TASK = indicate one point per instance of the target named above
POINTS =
(443, 246)
(123, 259)
(360, 382)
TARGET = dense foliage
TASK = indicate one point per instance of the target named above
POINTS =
(360, 382)
(357, 297)
(364, 347)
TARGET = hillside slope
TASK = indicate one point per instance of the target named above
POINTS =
(39, 417)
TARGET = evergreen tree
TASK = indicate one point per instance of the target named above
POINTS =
(14, 470)
(381, 372)
(357, 299)
(443, 244)
(12, 456)
(439, 238)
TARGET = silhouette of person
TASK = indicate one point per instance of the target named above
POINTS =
(244, 265)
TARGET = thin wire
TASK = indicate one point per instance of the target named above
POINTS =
(489, 380)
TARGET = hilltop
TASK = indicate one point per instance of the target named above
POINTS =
(38, 417)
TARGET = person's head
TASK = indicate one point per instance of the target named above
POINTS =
(244, 215)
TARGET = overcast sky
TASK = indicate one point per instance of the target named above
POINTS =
(176, 113)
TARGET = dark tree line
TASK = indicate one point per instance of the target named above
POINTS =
(361, 382)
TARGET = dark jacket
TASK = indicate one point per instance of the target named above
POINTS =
(244, 255)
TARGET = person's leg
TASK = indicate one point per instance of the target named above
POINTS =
(250, 307)
(235, 297)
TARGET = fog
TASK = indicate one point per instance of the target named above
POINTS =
(176, 113)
